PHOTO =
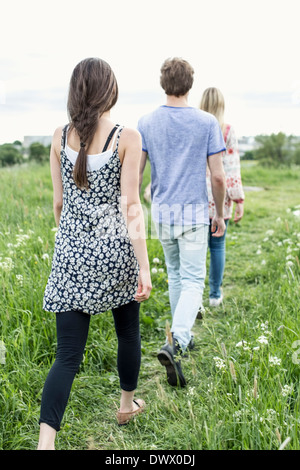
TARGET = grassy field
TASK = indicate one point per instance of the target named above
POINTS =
(243, 378)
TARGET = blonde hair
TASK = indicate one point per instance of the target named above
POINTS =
(213, 102)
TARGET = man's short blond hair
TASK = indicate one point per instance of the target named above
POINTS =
(177, 76)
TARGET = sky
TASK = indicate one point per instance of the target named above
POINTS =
(249, 50)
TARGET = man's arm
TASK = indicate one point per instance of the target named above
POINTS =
(142, 167)
(218, 186)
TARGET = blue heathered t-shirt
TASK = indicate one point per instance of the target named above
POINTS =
(178, 141)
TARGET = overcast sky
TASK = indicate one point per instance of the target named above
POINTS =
(248, 49)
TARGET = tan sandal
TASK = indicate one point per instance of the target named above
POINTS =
(124, 418)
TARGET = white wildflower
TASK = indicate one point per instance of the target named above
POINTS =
(242, 344)
(263, 262)
(262, 339)
(21, 239)
(265, 239)
(45, 256)
(238, 415)
(278, 219)
(287, 390)
(220, 363)
(258, 252)
(54, 229)
(290, 263)
(40, 240)
(19, 278)
(279, 243)
(270, 232)
(156, 260)
(191, 391)
(296, 213)
(265, 325)
(271, 412)
(274, 361)
(161, 270)
(7, 264)
(154, 270)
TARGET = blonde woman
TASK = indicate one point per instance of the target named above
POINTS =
(213, 102)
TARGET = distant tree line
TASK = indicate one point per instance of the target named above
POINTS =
(275, 150)
(15, 153)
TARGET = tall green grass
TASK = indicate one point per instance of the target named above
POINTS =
(243, 378)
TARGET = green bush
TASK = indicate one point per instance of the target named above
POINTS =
(275, 150)
(9, 155)
(296, 155)
(38, 153)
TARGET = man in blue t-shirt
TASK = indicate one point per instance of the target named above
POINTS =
(180, 141)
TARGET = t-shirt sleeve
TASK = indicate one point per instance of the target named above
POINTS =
(140, 128)
(216, 142)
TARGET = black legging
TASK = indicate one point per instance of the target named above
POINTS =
(72, 331)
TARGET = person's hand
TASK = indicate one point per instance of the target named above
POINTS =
(239, 211)
(144, 285)
(218, 226)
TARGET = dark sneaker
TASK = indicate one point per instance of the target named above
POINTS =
(169, 357)
(201, 312)
(191, 344)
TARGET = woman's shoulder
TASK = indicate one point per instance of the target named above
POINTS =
(58, 131)
(130, 133)
(57, 139)
(57, 134)
(130, 137)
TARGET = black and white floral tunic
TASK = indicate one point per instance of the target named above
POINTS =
(94, 267)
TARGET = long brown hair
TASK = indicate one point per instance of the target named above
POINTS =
(93, 90)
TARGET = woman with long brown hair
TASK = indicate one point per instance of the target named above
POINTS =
(100, 261)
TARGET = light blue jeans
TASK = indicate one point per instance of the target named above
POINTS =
(185, 251)
(217, 263)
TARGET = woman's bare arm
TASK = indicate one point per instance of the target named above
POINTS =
(56, 174)
(132, 208)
